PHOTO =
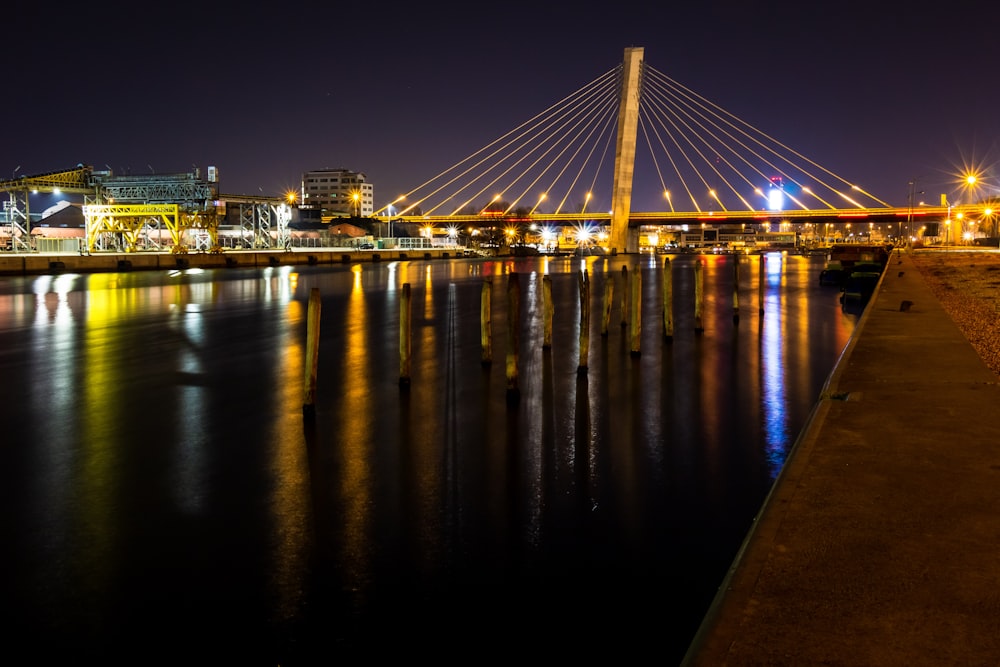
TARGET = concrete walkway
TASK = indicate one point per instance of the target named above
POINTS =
(880, 542)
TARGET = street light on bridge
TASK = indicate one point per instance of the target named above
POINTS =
(489, 207)
(541, 198)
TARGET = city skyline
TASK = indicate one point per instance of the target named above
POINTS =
(875, 97)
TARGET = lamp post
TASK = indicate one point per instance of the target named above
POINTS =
(389, 212)
(970, 186)
(909, 208)
(947, 222)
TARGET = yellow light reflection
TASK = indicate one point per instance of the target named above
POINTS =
(290, 509)
(355, 426)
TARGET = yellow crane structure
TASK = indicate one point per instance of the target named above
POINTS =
(123, 213)
(17, 221)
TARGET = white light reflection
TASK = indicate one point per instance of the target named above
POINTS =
(533, 361)
(773, 389)
(55, 389)
(189, 475)
(278, 284)
(393, 270)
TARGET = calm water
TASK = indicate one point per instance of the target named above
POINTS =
(166, 500)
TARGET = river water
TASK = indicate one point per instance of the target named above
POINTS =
(168, 499)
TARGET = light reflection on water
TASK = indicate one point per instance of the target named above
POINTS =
(774, 348)
(160, 442)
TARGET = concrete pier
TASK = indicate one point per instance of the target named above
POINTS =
(878, 544)
(17, 264)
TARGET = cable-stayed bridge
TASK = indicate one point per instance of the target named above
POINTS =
(576, 161)
(631, 134)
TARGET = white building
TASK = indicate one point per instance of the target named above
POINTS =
(338, 192)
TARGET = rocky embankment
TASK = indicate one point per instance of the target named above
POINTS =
(968, 286)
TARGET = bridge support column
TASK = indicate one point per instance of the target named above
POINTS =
(628, 124)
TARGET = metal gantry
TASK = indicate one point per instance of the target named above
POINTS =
(256, 220)
(17, 207)
(133, 213)
(123, 213)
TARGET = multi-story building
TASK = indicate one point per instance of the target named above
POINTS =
(338, 192)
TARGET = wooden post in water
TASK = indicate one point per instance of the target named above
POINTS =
(486, 321)
(636, 321)
(584, 323)
(760, 284)
(312, 352)
(513, 336)
(405, 345)
(547, 308)
(699, 294)
(609, 295)
(736, 288)
(625, 303)
(668, 300)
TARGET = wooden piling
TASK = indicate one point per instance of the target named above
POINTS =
(513, 336)
(405, 345)
(668, 300)
(636, 319)
(312, 352)
(760, 283)
(584, 323)
(625, 303)
(547, 309)
(486, 321)
(736, 288)
(609, 295)
(699, 295)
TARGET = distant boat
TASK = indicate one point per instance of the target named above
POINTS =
(859, 287)
(834, 274)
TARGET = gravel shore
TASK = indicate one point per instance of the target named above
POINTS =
(967, 283)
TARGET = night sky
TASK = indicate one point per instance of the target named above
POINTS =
(876, 95)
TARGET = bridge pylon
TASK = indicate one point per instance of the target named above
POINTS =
(628, 125)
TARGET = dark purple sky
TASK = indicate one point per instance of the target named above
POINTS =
(879, 96)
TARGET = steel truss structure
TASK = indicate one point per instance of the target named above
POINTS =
(123, 213)
(136, 227)
(17, 219)
(255, 225)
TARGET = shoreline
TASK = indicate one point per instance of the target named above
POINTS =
(33, 264)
